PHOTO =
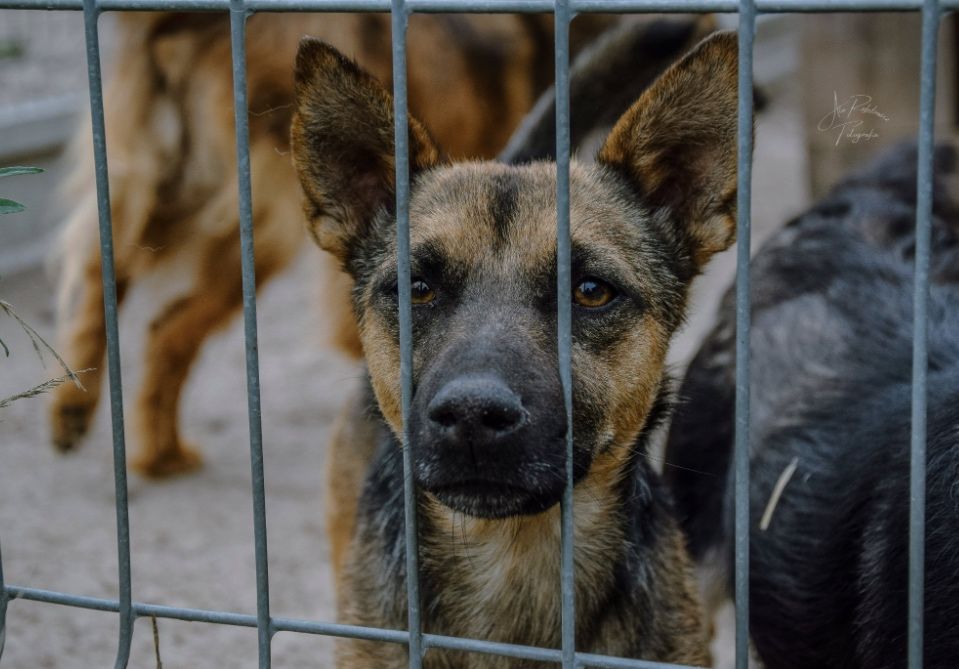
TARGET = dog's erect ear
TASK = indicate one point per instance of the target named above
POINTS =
(342, 141)
(677, 145)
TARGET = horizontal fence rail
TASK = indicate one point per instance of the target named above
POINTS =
(414, 638)
(490, 6)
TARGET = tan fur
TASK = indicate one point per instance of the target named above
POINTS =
(170, 141)
(660, 141)
(351, 448)
(514, 566)
(496, 560)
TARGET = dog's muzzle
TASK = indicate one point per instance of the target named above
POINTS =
(479, 450)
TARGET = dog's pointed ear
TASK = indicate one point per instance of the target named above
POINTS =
(677, 145)
(342, 141)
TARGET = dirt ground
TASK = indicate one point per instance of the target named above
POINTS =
(192, 537)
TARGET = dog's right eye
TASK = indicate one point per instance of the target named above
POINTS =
(422, 292)
(593, 293)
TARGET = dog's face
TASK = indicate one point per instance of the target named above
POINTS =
(488, 421)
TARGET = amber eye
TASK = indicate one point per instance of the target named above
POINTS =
(593, 293)
(422, 293)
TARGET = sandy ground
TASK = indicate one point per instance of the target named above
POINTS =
(192, 537)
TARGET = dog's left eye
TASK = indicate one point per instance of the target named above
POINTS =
(422, 292)
(593, 293)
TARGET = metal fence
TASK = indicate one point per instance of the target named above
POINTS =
(564, 10)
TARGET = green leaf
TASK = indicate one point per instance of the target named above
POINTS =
(11, 50)
(9, 206)
(16, 171)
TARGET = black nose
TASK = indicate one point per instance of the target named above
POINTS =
(476, 409)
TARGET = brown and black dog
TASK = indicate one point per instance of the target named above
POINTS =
(487, 423)
(170, 139)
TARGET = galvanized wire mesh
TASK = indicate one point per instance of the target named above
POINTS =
(418, 642)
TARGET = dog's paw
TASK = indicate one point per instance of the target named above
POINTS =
(69, 422)
(167, 463)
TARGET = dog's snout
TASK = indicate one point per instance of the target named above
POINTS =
(476, 409)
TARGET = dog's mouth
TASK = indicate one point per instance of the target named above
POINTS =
(494, 499)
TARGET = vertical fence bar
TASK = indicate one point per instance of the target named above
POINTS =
(400, 19)
(238, 16)
(91, 14)
(3, 607)
(747, 33)
(564, 322)
(917, 474)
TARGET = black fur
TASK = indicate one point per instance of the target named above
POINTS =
(599, 93)
(832, 364)
(503, 203)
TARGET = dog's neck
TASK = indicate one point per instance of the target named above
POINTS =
(500, 579)
(507, 572)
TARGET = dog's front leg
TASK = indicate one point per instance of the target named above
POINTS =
(83, 346)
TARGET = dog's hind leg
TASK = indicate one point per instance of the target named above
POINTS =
(177, 334)
(175, 338)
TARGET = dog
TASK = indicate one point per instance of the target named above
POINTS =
(831, 349)
(604, 80)
(170, 139)
(487, 423)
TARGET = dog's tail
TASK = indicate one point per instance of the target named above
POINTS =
(605, 79)
(75, 243)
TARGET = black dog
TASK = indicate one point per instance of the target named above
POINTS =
(832, 365)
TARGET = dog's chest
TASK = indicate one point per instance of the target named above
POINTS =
(501, 581)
